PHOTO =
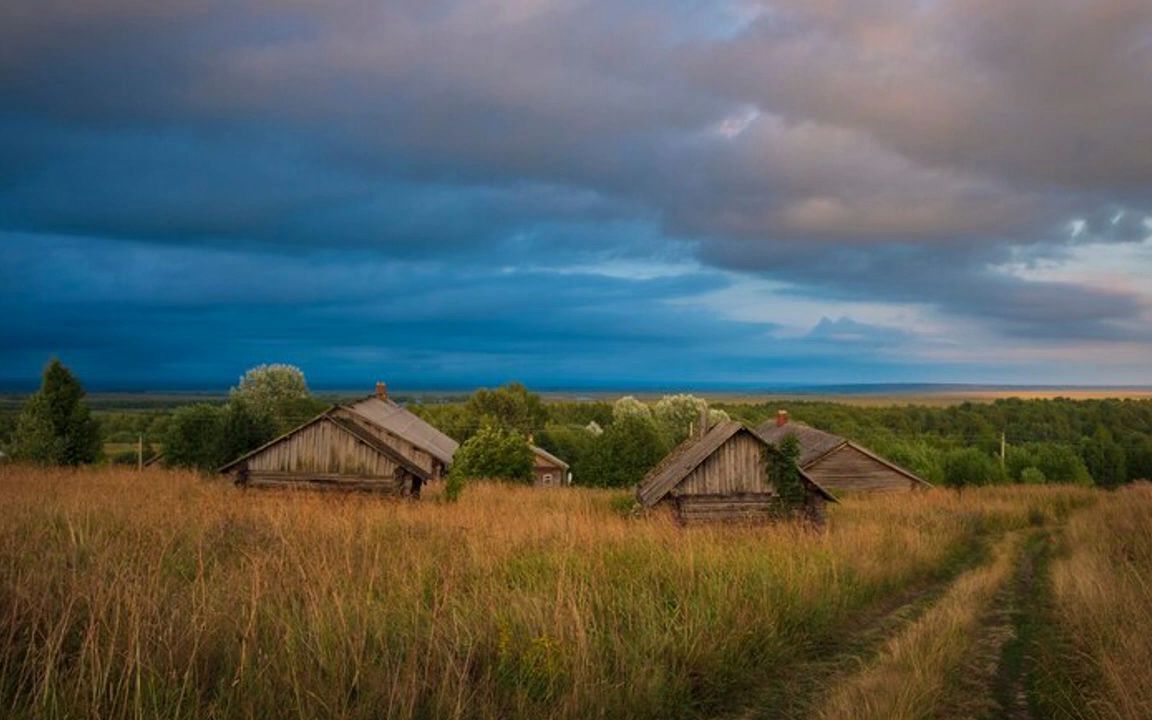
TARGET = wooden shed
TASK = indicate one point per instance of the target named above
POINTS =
(723, 476)
(838, 463)
(371, 444)
(549, 470)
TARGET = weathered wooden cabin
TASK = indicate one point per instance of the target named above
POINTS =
(722, 475)
(838, 463)
(371, 444)
(549, 470)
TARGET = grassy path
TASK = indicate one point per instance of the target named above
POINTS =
(796, 692)
(960, 647)
(995, 682)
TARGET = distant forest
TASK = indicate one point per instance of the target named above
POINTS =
(1102, 442)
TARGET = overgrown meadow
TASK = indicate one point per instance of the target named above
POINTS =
(163, 594)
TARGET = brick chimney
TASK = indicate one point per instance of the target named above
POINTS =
(781, 418)
(381, 390)
(702, 423)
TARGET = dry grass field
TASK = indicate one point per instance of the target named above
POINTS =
(165, 595)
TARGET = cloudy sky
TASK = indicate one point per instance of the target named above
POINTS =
(577, 192)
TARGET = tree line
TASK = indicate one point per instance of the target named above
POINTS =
(1105, 442)
(614, 444)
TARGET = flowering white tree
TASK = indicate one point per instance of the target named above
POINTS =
(629, 407)
(674, 414)
(275, 391)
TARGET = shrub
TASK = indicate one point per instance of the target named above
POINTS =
(495, 453)
(453, 486)
(1032, 476)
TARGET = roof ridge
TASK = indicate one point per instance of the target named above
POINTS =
(396, 419)
(545, 453)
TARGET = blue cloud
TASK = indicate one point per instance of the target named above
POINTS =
(440, 188)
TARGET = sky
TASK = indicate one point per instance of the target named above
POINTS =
(577, 193)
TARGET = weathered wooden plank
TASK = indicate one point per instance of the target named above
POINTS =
(417, 455)
(322, 448)
(736, 466)
(320, 481)
(847, 469)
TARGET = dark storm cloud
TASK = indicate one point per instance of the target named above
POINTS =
(885, 151)
(191, 321)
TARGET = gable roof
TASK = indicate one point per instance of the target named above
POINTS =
(688, 455)
(549, 456)
(386, 414)
(348, 428)
(817, 444)
(814, 444)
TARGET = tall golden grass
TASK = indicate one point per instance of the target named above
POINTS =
(161, 594)
(1102, 588)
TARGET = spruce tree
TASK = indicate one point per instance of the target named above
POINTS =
(784, 470)
(55, 426)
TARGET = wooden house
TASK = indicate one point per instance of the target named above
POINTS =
(371, 444)
(549, 470)
(840, 464)
(722, 475)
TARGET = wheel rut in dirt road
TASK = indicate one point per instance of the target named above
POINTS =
(794, 692)
(995, 682)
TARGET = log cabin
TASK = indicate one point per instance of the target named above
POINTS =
(721, 474)
(371, 444)
(839, 464)
(549, 470)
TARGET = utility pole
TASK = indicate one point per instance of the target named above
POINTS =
(140, 453)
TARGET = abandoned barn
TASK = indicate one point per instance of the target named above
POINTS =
(371, 444)
(722, 474)
(838, 463)
(548, 469)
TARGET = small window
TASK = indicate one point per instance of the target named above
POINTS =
(547, 478)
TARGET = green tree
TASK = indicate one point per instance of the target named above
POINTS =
(1104, 458)
(193, 436)
(1061, 463)
(56, 426)
(510, 406)
(785, 473)
(239, 430)
(452, 419)
(1139, 455)
(623, 454)
(969, 466)
(494, 453)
